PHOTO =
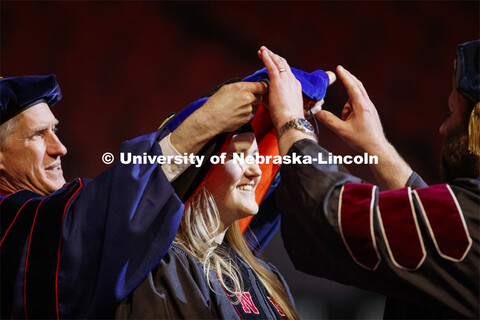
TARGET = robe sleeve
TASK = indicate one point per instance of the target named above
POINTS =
(415, 181)
(120, 225)
(420, 246)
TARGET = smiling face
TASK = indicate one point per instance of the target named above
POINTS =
(31, 158)
(233, 184)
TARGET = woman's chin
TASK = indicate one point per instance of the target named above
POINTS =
(249, 211)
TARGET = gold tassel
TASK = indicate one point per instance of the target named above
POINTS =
(474, 131)
(167, 119)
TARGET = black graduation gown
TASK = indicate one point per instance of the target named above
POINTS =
(418, 245)
(178, 289)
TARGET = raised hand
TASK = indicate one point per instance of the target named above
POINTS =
(360, 126)
(228, 109)
(233, 105)
(285, 93)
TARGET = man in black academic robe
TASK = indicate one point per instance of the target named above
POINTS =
(417, 244)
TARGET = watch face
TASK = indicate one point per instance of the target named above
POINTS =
(298, 124)
(304, 123)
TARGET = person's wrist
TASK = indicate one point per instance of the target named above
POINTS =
(286, 141)
(286, 117)
(382, 149)
(299, 124)
(203, 121)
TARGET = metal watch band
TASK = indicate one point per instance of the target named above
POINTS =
(299, 124)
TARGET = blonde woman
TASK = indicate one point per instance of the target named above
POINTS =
(209, 272)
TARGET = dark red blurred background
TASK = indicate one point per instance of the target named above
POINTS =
(123, 66)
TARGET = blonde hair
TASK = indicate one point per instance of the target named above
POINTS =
(199, 226)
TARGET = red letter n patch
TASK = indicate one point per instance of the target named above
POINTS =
(247, 303)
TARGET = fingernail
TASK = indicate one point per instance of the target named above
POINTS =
(340, 67)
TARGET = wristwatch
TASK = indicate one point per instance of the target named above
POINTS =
(299, 124)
